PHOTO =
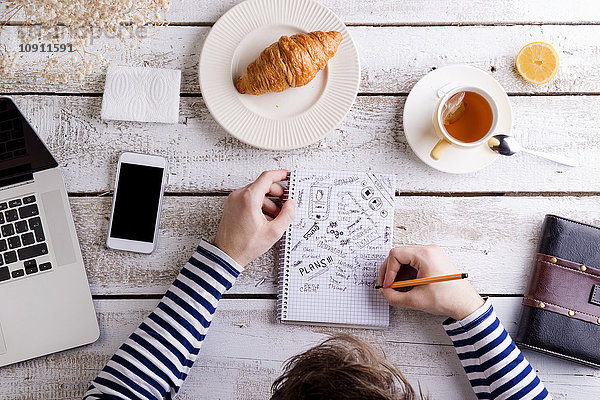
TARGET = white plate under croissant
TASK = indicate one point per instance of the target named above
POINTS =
(296, 116)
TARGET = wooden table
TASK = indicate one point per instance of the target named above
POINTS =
(488, 221)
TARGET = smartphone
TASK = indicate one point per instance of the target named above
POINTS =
(137, 199)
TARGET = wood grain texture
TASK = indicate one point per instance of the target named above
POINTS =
(411, 12)
(491, 238)
(245, 348)
(418, 12)
(392, 59)
(204, 158)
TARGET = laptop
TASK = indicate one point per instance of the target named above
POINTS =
(44, 293)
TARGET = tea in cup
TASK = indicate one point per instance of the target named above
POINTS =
(469, 126)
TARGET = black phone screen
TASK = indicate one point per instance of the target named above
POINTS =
(136, 202)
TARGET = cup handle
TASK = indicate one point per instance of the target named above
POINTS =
(439, 149)
(441, 92)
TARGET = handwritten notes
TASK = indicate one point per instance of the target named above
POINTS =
(335, 246)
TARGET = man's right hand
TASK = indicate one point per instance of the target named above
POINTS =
(252, 223)
(456, 299)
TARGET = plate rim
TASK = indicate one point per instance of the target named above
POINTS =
(331, 126)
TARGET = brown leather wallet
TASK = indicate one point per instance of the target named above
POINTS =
(561, 313)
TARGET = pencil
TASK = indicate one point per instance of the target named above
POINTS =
(423, 281)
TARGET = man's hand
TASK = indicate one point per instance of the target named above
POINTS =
(252, 223)
(456, 299)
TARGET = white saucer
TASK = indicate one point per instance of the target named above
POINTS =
(295, 117)
(418, 117)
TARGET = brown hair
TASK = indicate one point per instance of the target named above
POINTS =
(341, 368)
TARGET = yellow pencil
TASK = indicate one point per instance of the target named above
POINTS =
(423, 281)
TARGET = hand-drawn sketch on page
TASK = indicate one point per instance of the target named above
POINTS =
(334, 248)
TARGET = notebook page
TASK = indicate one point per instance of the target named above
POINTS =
(341, 235)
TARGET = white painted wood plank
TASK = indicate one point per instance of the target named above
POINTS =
(393, 59)
(418, 12)
(203, 157)
(491, 238)
(245, 348)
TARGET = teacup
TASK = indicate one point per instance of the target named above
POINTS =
(480, 98)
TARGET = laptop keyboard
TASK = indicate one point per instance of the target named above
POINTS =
(22, 239)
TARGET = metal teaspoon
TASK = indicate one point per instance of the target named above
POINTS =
(507, 146)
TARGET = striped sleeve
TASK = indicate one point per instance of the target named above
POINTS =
(494, 365)
(157, 357)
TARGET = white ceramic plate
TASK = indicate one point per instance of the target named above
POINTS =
(418, 118)
(295, 117)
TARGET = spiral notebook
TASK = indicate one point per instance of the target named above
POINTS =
(333, 250)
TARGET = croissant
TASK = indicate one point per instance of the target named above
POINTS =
(290, 62)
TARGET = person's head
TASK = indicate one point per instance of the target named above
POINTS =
(341, 368)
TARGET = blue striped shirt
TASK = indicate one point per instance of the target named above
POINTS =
(495, 367)
(157, 357)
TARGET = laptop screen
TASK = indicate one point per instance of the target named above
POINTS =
(22, 152)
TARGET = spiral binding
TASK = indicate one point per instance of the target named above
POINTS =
(285, 262)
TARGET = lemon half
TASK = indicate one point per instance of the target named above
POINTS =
(537, 62)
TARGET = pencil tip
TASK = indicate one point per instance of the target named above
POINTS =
(378, 286)
(465, 275)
